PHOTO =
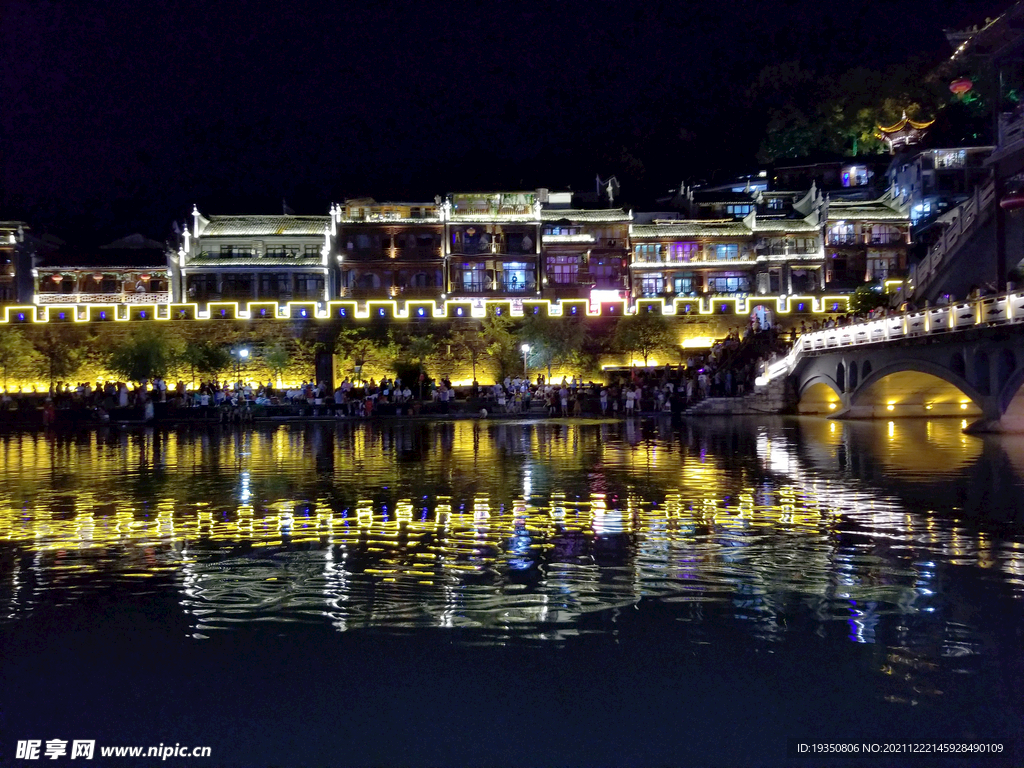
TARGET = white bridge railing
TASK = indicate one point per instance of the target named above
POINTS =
(974, 211)
(1002, 309)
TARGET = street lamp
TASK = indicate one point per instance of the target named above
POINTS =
(526, 352)
(240, 354)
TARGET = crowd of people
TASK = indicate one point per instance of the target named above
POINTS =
(727, 369)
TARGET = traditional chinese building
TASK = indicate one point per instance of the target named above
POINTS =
(866, 241)
(132, 270)
(931, 181)
(903, 133)
(246, 258)
(388, 250)
(585, 251)
(492, 244)
(860, 176)
(12, 238)
(790, 255)
(691, 257)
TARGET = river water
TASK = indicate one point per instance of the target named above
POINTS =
(488, 593)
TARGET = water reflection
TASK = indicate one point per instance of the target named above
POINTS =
(521, 530)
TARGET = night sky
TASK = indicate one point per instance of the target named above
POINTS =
(117, 116)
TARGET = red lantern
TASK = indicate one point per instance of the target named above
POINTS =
(144, 276)
(1012, 201)
(97, 276)
(961, 86)
(56, 278)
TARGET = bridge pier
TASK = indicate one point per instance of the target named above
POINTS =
(998, 420)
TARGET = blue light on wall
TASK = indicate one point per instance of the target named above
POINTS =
(21, 315)
(342, 312)
(459, 311)
(103, 315)
(381, 312)
(302, 313)
(62, 316)
(142, 314)
(223, 313)
(420, 312)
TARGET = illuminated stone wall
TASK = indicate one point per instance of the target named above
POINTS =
(301, 328)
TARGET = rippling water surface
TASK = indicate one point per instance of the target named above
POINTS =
(693, 595)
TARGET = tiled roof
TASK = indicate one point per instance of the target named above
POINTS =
(582, 214)
(784, 225)
(265, 226)
(864, 212)
(692, 228)
(255, 261)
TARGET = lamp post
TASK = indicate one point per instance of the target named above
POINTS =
(241, 354)
(526, 353)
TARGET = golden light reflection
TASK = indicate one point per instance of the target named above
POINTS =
(412, 527)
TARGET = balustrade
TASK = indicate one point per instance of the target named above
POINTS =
(1005, 308)
(975, 210)
(125, 297)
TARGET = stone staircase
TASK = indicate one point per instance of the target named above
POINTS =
(766, 399)
(946, 255)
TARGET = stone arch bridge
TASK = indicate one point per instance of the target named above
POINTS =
(961, 360)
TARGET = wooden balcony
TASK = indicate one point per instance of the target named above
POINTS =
(122, 297)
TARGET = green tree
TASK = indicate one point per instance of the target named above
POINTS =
(146, 354)
(469, 343)
(499, 333)
(206, 358)
(17, 355)
(277, 360)
(62, 350)
(554, 341)
(362, 346)
(643, 334)
(866, 298)
(418, 349)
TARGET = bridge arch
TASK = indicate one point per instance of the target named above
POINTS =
(918, 388)
(819, 394)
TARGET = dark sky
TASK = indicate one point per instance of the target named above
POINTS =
(117, 116)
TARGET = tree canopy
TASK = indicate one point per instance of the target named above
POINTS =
(146, 354)
(17, 355)
(644, 334)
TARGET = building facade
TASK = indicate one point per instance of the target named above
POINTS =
(12, 240)
(388, 250)
(866, 241)
(492, 244)
(585, 253)
(499, 245)
(254, 258)
(132, 270)
(931, 181)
